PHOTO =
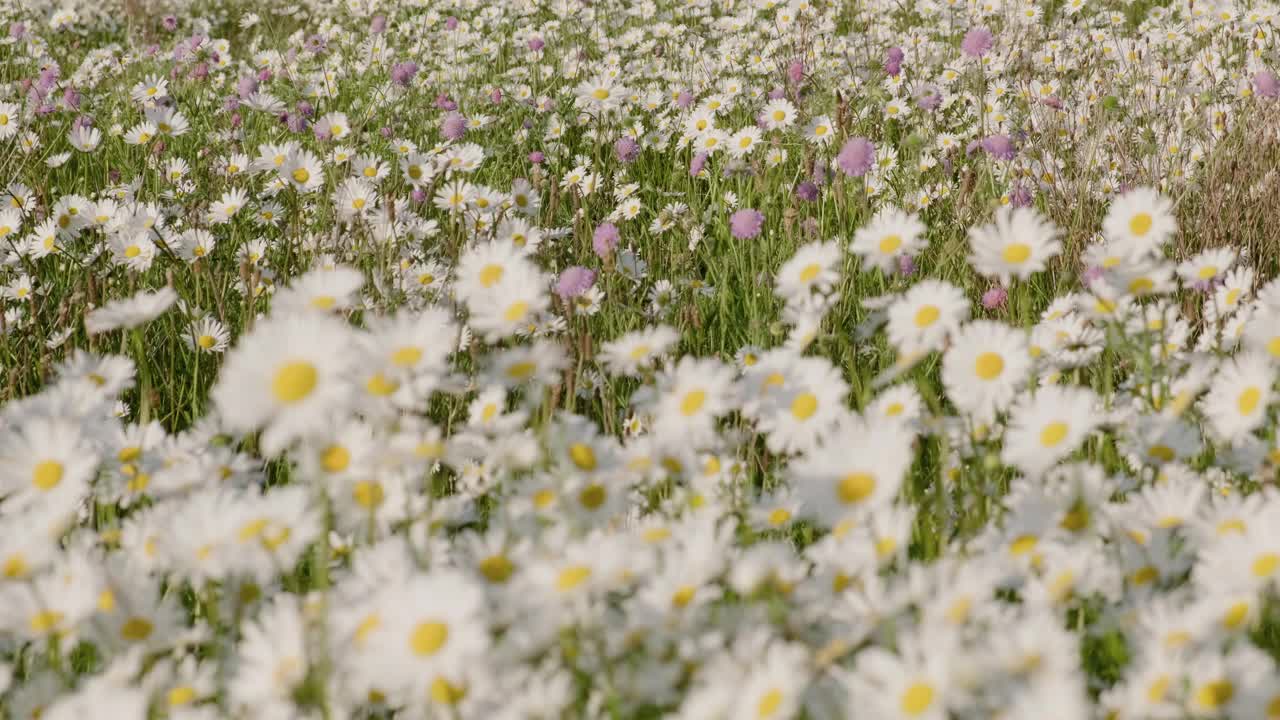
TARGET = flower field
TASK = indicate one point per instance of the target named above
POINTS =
(711, 359)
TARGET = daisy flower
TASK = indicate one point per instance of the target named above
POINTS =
(284, 377)
(131, 312)
(1049, 426)
(690, 398)
(1019, 244)
(1239, 395)
(925, 316)
(891, 234)
(987, 363)
(1141, 219)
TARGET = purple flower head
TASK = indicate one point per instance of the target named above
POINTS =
(536, 157)
(994, 298)
(235, 118)
(453, 126)
(113, 176)
(906, 265)
(83, 121)
(1093, 273)
(977, 42)
(296, 122)
(170, 23)
(402, 73)
(378, 24)
(315, 45)
(305, 109)
(200, 71)
(17, 30)
(386, 131)
(1021, 197)
(626, 149)
(795, 72)
(1266, 84)
(419, 195)
(928, 97)
(605, 239)
(746, 223)
(536, 43)
(444, 103)
(695, 166)
(265, 75)
(575, 281)
(893, 61)
(247, 86)
(973, 147)
(451, 23)
(856, 157)
(71, 97)
(684, 99)
(777, 93)
(807, 191)
(495, 96)
(999, 147)
(48, 78)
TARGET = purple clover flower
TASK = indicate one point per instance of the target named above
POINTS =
(746, 223)
(856, 157)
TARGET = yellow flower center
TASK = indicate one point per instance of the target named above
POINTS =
(989, 366)
(692, 402)
(855, 487)
(1139, 224)
(294, 382)
(335, 458)
(181, 695)
(1265, 565)
(490, 275)
(136, 629)
(769, 704)
(516, 311)
(804, 406)
(1215, 694)
(582, 456)
(428, 637)
(496, 568)
(1053, 433)
(47, 475)
(368, 494)
(446, 693)
(406, 356)
(1248, 400)
(571, 577)
(1022, 545)
(592, 496)
(1016, 253)
(927, 316)
(917, 698)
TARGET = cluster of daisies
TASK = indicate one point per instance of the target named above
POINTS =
(709, 360)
